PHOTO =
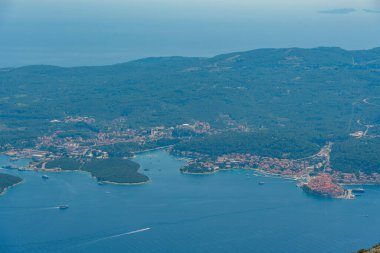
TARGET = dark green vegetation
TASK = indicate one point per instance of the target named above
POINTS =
(314, 94)
(357, 155)
(64, 163)
(260, 143)
(8, 181)
(119, 149)
(115, 170)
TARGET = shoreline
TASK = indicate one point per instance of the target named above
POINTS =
(58, 170)
(149, 150)
(181, 157)
(257, 173)
(126, 184)
(261, 173)
(198, 173)
(10, 187)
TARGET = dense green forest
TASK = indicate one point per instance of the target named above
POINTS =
(64, 163)
(316, 95)
(115, 170)
(356, 155)
(7, 181)
(260, 143)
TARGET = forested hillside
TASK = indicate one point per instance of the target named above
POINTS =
(319, 95)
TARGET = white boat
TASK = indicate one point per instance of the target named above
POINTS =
(63, 207)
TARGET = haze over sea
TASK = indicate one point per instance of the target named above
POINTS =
(97, 32)
(224, 212)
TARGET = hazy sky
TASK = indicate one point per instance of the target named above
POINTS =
(95, 32)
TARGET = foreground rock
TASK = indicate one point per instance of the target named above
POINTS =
(375, 249)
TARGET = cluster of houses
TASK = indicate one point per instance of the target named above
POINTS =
(323, 185)
(278, 166)
(60, 143)
(355, 178)
(315, 170)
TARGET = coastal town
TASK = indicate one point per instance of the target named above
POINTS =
(63, 143)
(313, 174)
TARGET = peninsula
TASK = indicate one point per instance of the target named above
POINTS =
(112, 170)
(7, 181)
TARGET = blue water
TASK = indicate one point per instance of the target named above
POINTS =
(98, 32)
(224, 212)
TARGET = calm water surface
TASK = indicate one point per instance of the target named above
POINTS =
(99, 32)
(224, 212)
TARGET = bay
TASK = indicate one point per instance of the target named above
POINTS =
(224, 212)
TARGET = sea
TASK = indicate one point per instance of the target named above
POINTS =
(224, 212)
(97, 32)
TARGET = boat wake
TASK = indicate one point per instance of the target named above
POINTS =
(138, 231)
(114, 236)
(51, 207)
(48, 208)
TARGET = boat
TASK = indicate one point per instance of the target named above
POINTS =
(100, 183)
(358, 190)
(45, 177)
(261, 183)
(63, 207)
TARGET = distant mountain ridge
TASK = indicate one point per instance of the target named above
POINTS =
(365, 54)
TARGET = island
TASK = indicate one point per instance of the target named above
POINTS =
(111, 170)
(7, 181)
